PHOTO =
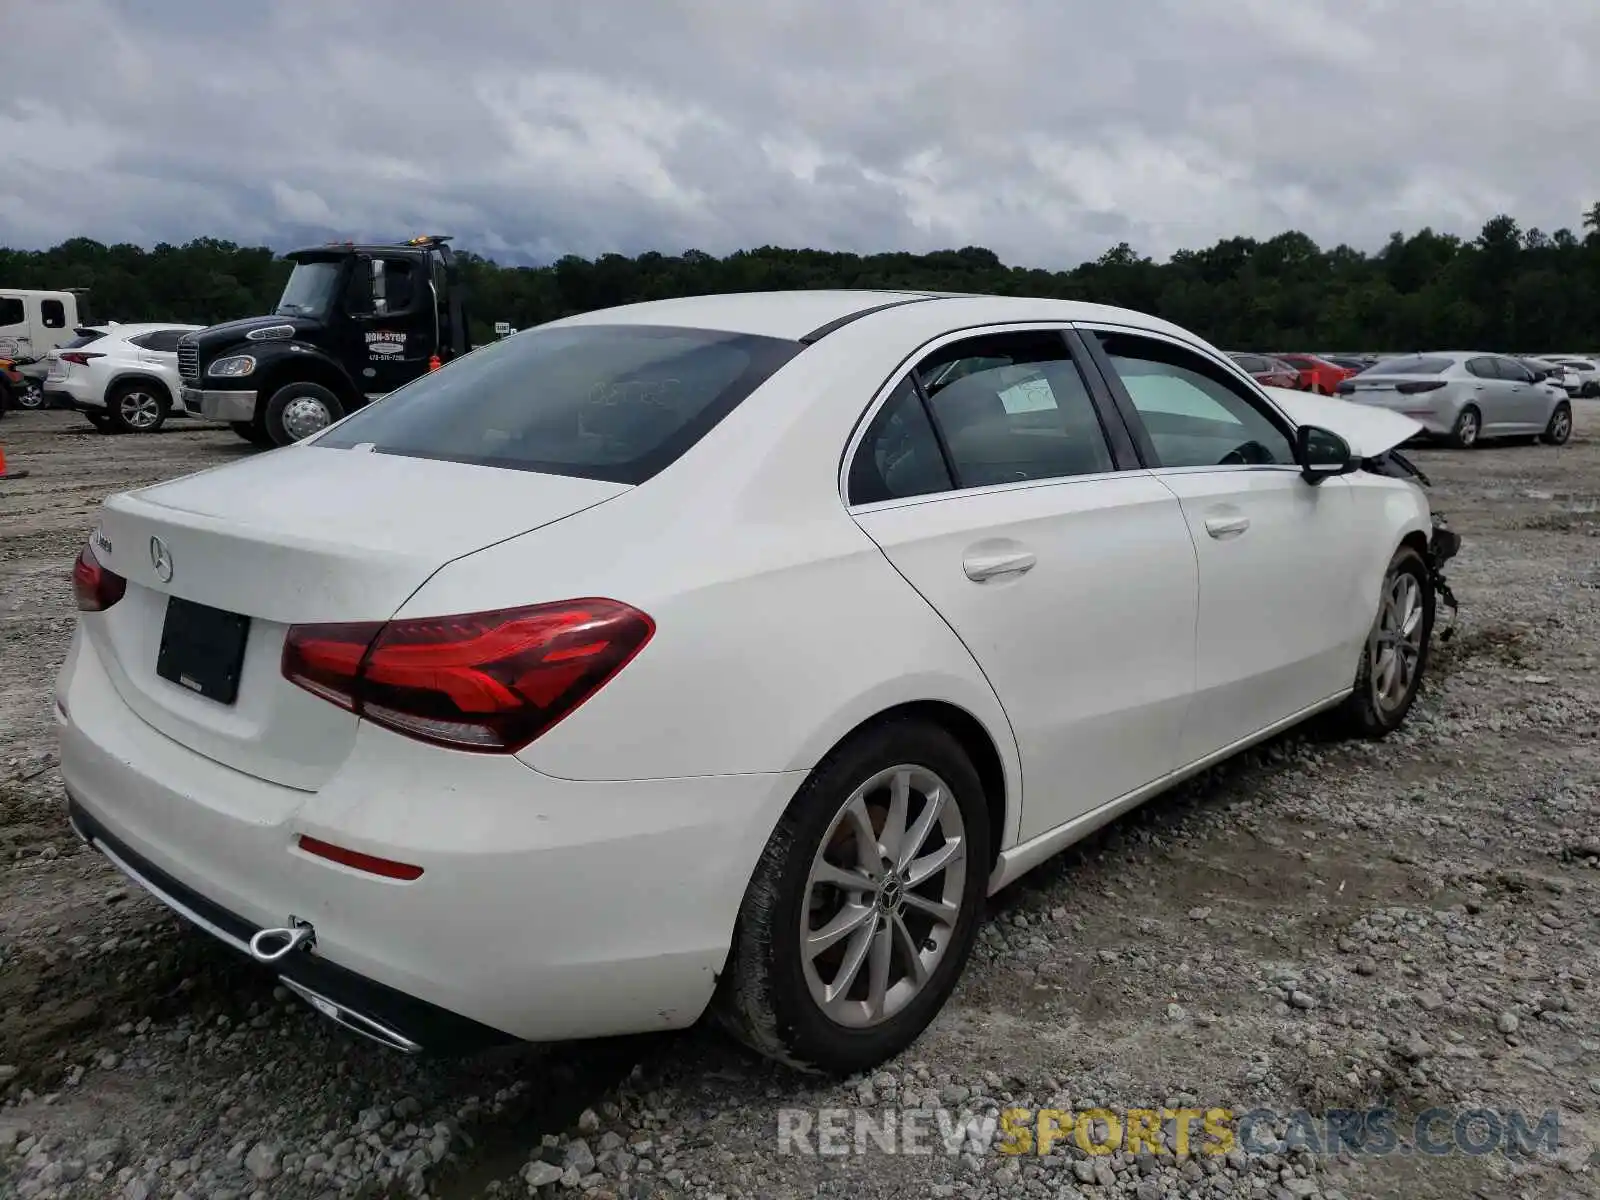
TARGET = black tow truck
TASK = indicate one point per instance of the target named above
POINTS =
(354, 323)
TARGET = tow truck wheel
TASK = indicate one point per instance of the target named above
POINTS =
(298, 410)
(252, 432)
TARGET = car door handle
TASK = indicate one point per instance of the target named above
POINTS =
(980, 567)
(1221, 527)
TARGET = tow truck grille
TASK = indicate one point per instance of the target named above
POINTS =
(189, 360)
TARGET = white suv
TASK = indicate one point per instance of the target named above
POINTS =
(124, 378)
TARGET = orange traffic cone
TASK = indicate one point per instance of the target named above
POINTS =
(4, 473)
(433, 362)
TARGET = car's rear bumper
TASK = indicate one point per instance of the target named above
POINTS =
(59, 395)
(217, 405)
(390, 1017)
(547, 909)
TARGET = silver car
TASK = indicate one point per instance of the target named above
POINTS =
(1462, 396)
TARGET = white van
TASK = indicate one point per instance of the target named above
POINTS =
(34, 323)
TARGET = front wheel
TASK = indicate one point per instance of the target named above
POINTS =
(1559, 429)
(31, 396)
(863, 909)
(252, 432)
(296, 411)
(1396, 654)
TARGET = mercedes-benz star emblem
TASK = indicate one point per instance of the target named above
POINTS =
(161, 559)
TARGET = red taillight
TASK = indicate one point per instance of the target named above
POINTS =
(80, 357)
(96, 587)
(489, 681)
(1420, 385)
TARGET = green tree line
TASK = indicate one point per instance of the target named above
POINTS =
(1507, 289)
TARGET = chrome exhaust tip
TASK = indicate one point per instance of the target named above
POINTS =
(351, 1019)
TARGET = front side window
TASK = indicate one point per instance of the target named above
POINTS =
(12, 312)
(1514, 371)
(53, 314)
(1012, 407)
(1195, 414)
(611, 402)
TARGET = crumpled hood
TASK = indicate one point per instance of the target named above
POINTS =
(1370, 431)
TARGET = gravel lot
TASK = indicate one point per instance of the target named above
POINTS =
(1319, 924)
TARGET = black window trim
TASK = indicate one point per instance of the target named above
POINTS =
(1129, 413)
(1123, 456)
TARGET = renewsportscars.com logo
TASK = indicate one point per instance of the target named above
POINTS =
(1182, 1132)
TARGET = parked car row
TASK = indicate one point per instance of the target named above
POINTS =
(1461, 397)
(1298, 371)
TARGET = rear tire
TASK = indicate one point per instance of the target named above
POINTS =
(1381, 699)
(773, 995)
(1467, 429)
(31, 397)
(1559, 430)
(138, 407)
(298, 410)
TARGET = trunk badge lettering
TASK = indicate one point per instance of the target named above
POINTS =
(161, 559)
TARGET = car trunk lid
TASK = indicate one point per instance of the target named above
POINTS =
(306, 534)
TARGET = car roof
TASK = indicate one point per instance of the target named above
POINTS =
(811, 315)
(135, 328)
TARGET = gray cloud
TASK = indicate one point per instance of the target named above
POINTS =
(1043, 130)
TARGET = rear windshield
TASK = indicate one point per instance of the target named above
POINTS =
(611, 402)
(1414, 364)
(85, 336)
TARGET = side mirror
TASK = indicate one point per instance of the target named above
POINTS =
(1322, 453)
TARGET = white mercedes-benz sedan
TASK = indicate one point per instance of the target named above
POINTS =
(721, 655)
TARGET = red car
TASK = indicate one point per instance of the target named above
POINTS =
(1316, 374)
(1267, 370)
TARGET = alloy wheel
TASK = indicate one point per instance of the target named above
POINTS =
(139, 410)
(883, 896)
(1396, 644)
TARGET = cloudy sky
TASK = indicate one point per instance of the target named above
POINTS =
(1047, 130)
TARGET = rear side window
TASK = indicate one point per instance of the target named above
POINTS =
(1411, 364)
(899, 454)
(611, 402)
(1012, 407)
(159, 340)
(53, 314)
(11, 311)
(1483, 368)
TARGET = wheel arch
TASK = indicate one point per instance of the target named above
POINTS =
(307, 368)
(144, 377)
(980, 745)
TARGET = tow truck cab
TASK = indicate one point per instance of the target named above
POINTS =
(354, 323)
